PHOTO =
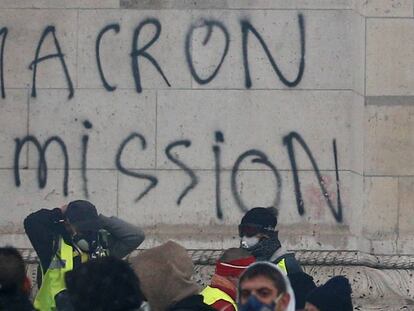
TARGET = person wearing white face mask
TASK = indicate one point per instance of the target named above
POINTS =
(257, 231)
(264, 287)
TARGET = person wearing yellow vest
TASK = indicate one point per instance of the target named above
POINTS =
(221, 293)
(257, 231)
(66, 237)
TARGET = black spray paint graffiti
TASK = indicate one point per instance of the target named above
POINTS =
(257, 156)
(260, 157)
(116, 28)
(42, 164)
(59, 54)
(138, 52)
(152, 179)
(246, 28)
(210, 24)
(185, 168)
(288, 141)
(3, 32)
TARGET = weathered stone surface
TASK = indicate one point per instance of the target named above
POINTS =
(25, 29)
(329, 56)
(18, 202)
(260, 120)
(13, 123)
(59, 4)
(389, 68)
(236, 4)
(115, 49)
(389, 140)
(380, 213)
(114, 116)
(197, 213)
(388, 8)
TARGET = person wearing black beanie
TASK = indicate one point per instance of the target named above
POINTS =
(258, 234)
(335, 294)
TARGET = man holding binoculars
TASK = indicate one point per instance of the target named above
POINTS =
(65, 237)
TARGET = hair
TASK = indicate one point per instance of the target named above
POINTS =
(12, 270)
(104, 284)
(265, 270)
(234, 254)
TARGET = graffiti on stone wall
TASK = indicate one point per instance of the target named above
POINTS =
(255, 156)
(143, 52)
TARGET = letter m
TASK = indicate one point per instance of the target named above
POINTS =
(42, 164)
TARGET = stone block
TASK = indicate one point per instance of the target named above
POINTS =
(260, 120)
(406, 208)
(13, 120)
(168, 50)
(389, 140)
(113, 116)
(59, 4)
(25, 29)
(235, 4)
(380, 211)
(389, 69)
(385, 8)
(334, 45)
(18, 202)
(195, 222)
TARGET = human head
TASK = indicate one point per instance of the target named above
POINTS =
(104, 284)
(165, 273)
(233, 262)
(13, 277)
(256, 224)
(83, 216)
(263, 283)
(335, 294)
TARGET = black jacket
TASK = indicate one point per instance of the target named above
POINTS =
(15, 302)
(192, 303)
(44, 230)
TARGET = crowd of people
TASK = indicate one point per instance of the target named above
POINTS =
(82, 267)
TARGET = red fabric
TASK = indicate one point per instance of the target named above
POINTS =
(235, 267)
(222, 305)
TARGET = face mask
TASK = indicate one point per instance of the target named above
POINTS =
(86, 242)
(254, 304)
(247, 242)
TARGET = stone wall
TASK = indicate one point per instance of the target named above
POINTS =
(180, 115)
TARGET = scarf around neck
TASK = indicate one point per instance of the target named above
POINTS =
(264, 250)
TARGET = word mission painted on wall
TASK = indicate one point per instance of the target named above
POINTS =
(141, 52)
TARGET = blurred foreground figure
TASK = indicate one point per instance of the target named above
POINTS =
(14, 284)
(165, 275)
(264, 287)
(104, 284)
(335, 294)
(66, 237)
(222, 292)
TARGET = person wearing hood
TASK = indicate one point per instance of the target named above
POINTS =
(222, 291)
(165, 274)
(335, 294)
(265, 287)
(257, 231)
(15, 286)
(66, 237)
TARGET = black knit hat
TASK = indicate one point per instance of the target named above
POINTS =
(260, 219)
(333, 295)
(83, 215)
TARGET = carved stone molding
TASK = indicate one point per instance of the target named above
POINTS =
(383, 283)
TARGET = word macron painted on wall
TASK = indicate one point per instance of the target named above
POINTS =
(143, 51)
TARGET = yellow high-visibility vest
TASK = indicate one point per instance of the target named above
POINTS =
(53, 281)
(282, 265)
(212, 295)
